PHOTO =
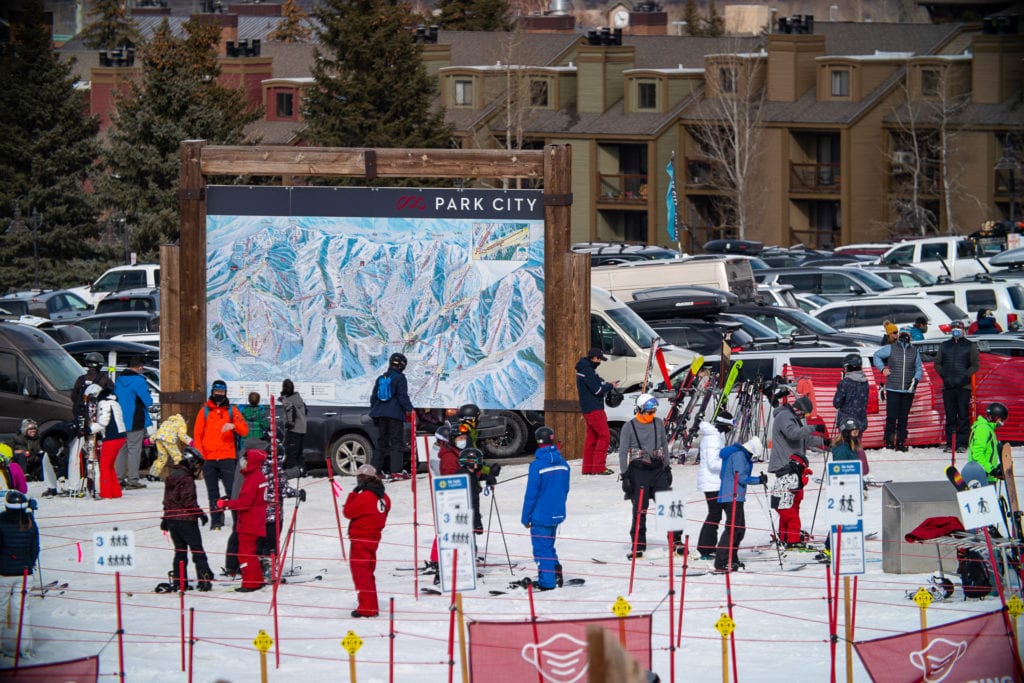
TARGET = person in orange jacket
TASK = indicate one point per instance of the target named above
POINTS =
(251, 506)
(219, 428)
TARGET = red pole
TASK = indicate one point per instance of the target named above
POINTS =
(952, 449)
(191, 640)
(451, 617)
(413, 464)
(21, 616)
(733, 558)
(833, 601)
(181, 608)
(120, 628)
(337, 513)
(682, 590)
(391, 640)
(277, 492)
(536, 636)
(636, 537)
(671, 612)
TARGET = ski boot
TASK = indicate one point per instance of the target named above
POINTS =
(205, 583)
(559, 577)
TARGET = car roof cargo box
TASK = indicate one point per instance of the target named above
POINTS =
(747, 247)
(685, 291)
(691, 306)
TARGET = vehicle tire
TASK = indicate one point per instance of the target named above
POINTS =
(349, 452)
(514, 441)
(613, 440)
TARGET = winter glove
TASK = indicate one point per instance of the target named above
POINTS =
(203, 519)
(763, 479)
(627, 486)
(163, 525)
(222, 503)
(302, 495)
(997, 472)
(227, 427)
(819, 428)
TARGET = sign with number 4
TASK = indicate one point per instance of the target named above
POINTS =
(979, 507)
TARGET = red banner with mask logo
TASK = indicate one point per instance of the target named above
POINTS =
(974, 649)
(506, 652)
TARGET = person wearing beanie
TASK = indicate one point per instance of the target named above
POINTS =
(366, 508)
(789, 433)
(852, 392)
(11, 473)
(709, 479)
(891, 332)
(592, 391)
(19, 551)
(294, 410)
(28, 450)
(900, 365)
(645, 468)
(736, 475)
(786, 496)
(985, 324)
(251, 506)
(956, 362)
(218, 428)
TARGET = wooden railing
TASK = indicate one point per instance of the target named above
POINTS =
(626, 188)
(822, 178)
(703, 173)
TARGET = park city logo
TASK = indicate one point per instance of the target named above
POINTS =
(938, 659)
(559, 659)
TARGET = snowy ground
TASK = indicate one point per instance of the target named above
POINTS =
(781, 617)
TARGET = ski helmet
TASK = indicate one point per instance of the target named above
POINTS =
(16, 500)
(398, 361)
(724, 421)
(998, 411)
(443, 433)
(852, 361)
(804, 405)
(848, 425)
(645, 403)
(192, 458)
(613, 399)
(93, 360)
(545, 436)
(471, 456)
(799, 458)
(469, 412)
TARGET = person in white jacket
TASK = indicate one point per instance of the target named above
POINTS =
(712, 440)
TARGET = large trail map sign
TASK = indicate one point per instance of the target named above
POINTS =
(321, 285)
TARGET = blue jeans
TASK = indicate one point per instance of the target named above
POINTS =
(544, 554)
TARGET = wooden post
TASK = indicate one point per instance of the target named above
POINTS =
(567, 304)
(170, 325)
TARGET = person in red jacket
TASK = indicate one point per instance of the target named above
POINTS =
(367, 506)
(251, 507)
(218, 427)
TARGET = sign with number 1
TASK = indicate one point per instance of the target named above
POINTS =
(979, 507)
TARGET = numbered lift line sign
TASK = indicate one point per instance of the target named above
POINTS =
(453, 520)
(113, 551)
(845, 509)
(669, 510)
(979, 507)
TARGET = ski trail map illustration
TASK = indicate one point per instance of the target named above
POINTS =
(322, 285)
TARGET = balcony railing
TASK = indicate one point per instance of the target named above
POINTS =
(703, 173)
(622, 188)
(929, 182)
(823, 178)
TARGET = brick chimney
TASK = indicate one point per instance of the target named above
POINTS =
(248, 9)
(652, 23)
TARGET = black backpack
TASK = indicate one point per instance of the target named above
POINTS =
(975, 573)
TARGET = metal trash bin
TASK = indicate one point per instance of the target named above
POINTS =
(904, 506)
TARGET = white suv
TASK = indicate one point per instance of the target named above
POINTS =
(867, 316)
(1005, 298)
(141, 275)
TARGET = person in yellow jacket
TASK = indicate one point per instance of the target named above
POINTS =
(172, 431)
(219, 428)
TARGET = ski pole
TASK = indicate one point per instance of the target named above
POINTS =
(824, 474)
(487, 539)
(497, 514)
(771, 521)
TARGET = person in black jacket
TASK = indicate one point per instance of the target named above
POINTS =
(592, 392)
(389, 415)
(956, 362)
(181, 519)
(19, 550)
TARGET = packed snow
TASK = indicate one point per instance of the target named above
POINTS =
(781, 623)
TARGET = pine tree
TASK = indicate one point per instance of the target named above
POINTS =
(694, 22)
(110, 26)
(176, 98)
(47, 152)
(474, 15)
(715, 22)
(294, 25)
(372, 88)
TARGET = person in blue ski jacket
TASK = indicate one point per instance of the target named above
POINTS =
(390, 417)
(737, 464)
(547, 489)
(900, 364)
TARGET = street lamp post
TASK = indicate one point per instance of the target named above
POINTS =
(1009, 163)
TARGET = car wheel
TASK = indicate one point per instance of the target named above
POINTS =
(613, 440)
(512, 443)
(349, 452)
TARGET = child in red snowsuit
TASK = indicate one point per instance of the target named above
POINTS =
(251, 507)
(787, 494)
(367, 508)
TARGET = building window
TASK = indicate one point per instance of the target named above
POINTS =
(840, 83)
(647, 95)
(727, 79)
(930, 82)
(463, 93)
(284, 105)
(539, 93)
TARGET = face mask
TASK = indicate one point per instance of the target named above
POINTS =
(957, 333)
(462, 444)
(645, 418)
(219, 400)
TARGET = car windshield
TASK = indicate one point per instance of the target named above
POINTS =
(810, 322)
(870, 279)
(56, 365)
(754, 328)
(633, 325)
(952, 311)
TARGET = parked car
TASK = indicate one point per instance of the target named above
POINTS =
(142, 299)
(787, 322)
(120, 278)
(57, 304)
(866, 316)
(903, 276)
(1004, 297)
(147, 338)
(809, 302)
(953, 257)
(777, 295)
(831, 282)
(998, 344)
(107, 325)
(612, 253)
